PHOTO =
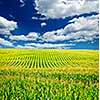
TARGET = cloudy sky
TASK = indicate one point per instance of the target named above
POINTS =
(68, 24)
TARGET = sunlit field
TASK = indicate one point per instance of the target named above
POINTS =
(49, 74)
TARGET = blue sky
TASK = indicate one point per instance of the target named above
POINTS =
(67, 24)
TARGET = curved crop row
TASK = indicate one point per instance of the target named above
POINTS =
(48, 58)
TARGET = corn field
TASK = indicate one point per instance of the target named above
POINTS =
(49, 74)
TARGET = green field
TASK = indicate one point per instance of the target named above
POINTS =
(49, 74)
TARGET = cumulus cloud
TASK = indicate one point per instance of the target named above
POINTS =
(48, 45)
(18, 37)
(4, 42)
(30, 37)
(45, 45)
(4, 23)
(24, 47)
(43, 24)
(6, 26)
(65, 8)
(82, 28)
(5, 32)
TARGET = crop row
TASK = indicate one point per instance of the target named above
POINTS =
(48, 59)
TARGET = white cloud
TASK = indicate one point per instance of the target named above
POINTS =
(5, 32)
(35, 18)
(5, 42)
(4, 23)
(30, 37)
(41, 18)
(45, 45)
(6, 26)
(44, 18)
(22, 3)
(79, 40)
(82, 28)
(18, 37)
(24, 47)
(43, 24)
(48, 45)
(65, 8)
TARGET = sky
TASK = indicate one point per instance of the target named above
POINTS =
(57, 24)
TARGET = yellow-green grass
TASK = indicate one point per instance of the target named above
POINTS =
(48, 74)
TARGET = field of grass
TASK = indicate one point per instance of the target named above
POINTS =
(49, 74)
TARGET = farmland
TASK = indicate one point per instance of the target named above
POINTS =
(49, 74)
